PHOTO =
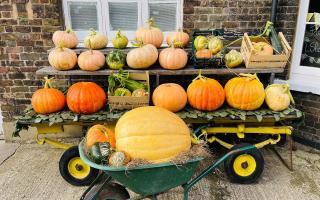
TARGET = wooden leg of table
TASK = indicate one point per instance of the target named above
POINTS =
(285, 163)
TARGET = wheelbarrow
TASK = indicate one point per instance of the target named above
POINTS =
(148, 181)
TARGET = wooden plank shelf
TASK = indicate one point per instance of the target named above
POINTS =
(157, 70)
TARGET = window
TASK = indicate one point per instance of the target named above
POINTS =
(305, 66)
(108, 16)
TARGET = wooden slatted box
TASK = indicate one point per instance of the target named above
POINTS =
(265, 61)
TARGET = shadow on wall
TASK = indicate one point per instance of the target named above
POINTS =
(1, 123)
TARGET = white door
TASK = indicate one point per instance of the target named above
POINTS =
(305, 66)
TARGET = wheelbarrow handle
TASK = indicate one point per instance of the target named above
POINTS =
(215, 165)
(99, 178)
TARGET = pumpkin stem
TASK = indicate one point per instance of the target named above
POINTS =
(69, 30)
(287, 90)
(92, 32)
(200, 76)
(118, 34)
(60, 45)
(90, 45)
(151, 23)
(251, 76)
(48, 82)
(138, 42)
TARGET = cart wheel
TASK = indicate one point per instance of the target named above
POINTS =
(113, 191)
(74, 170)
(244, 167)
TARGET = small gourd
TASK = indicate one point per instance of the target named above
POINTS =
(100, 152)
(119, 158)
(120, 41)
(278, 97)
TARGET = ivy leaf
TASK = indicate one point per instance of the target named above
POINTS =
(287, 111)
(223, 114)
(37, 120)
(242, 117)
(298, 113)
(276, 117)
(259, 117)
(76, 118)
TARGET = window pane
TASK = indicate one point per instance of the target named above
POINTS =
(164, 15)
(123, 16)
(83, 15)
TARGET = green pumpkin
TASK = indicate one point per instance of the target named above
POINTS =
(100, 152)
(116, 59)
(122, 92)
(120, 41)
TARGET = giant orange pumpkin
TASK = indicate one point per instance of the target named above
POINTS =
(151, 34)
(48, 100)
(100, 133)
(205, 94)
(67, 37)
(152, 133)
(173, 58)
(85, 98)
(245, 92)
(170, 96)
(180, 38)
(62, 58)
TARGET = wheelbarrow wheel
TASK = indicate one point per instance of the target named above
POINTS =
(244, 167)
(74, 170)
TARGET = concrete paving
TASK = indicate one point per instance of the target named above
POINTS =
(30, 171)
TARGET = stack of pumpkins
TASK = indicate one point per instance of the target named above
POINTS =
(64, 58)
(148, 39)
(244, 92)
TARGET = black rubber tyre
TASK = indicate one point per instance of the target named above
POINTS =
(113, 191)
(68, 155)
(252, 176)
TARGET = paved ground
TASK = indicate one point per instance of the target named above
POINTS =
(30, 171)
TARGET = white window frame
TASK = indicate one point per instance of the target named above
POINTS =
(103, 17)
(303, 78)
(67, 18)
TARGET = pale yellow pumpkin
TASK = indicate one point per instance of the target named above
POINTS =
(68, 38)
(91, 60)
(180, 38)
(62, 58)
(278, 97)
(173, 58)
(142, 57)
(95, 40)
(151, 34)
(152, 133)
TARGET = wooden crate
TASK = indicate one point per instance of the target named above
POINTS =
(126, 103)
(262, 61)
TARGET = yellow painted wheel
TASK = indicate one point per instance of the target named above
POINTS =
(244, 165)
(74, 170)
(78, 169)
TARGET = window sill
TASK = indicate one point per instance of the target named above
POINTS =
(301, 85)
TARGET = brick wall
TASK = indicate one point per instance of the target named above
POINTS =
(26, 27)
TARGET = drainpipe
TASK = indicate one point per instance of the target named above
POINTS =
(274, 11)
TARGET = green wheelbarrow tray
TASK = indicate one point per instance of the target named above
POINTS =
(148, 179)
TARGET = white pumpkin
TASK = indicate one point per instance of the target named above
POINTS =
(278, 97)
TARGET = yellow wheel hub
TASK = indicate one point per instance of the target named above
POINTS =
(244, 165)
(78, 169)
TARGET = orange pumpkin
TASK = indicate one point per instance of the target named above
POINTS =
(62, 58)
(170, 96)
(151, 34)
(180, 37)
(205, 94)
(48, 100)
(100, 133)
(67, 37)
(85, 98)
(262, 48)
(203, 53)
(245, 92)
(173, 58)
(91, 60)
